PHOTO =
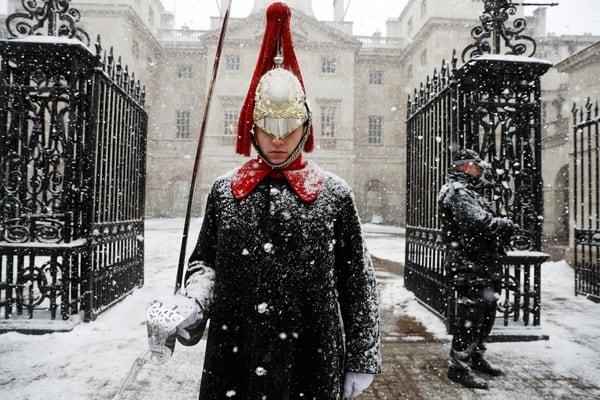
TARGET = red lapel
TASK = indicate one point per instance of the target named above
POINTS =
(304, 177)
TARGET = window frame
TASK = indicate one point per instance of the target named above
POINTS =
(375, 130)
(182, 124)
(375, 77)
(184, 71)
(232, 62)
(328, 65)
(328, 121)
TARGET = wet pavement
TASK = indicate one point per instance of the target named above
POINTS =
(415, 364)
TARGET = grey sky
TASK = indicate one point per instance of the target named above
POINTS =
(569, 17)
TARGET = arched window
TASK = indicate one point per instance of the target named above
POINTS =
(375, 201)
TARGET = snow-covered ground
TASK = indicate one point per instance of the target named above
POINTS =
(91, 361)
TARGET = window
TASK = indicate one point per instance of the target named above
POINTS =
(328, 117)
(232, 62)
(376, 77)
(184, 71)
(183, 124)
(375, 129)
(150, 16)
(181, 192)
(423, 8)
(374, 194)
(409, 26)
(328, 65)
(424, 57)
(135, 49)
(409, 71)
(150, 64)
(231, 115)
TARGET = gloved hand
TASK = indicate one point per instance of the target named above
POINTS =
(191, 307)
(355, 383)
(169, 317)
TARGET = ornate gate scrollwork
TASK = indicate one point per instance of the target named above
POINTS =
(73, 133)
(493, 33)
(490, 104)
(505, 304)
(39, 284)
(54, 15)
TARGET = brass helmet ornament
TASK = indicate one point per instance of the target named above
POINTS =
(276, 99)
(279, 103)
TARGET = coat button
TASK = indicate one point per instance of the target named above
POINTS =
(262, 308)
(260, 371)
(268, 247)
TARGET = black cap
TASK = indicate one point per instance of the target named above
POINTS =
(466, 156)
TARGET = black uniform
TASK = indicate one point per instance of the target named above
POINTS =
(474, 240)
(286, 274)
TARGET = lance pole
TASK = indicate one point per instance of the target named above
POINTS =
(186, 225)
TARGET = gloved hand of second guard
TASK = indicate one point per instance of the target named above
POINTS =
(355, 383)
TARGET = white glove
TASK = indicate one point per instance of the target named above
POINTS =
(194, 314)
(166, 317)
(355, 383)
(174, 314)
(199, 284)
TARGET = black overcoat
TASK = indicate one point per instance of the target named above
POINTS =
(473, 235)
(294, 305)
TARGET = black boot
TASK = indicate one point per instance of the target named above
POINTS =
(465, 377)
(481, 365)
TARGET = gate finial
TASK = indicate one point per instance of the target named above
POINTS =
(55, 15)
(494, 36)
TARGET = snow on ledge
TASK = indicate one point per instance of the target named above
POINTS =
(56, 40)
(511, 58)
(74, 243)
(22, 323)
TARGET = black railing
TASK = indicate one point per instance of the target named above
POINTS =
(72, 171)
(490, 104)
(586, 199)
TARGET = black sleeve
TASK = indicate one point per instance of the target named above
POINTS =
(357, 293)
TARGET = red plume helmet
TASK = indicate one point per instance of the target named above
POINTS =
(277, 41)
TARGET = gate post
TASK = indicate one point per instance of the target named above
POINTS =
(585, 195)
(496, 111)
(72, 173)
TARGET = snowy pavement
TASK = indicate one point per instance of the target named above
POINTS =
(91, 361)
(415, 349)
(566, 366)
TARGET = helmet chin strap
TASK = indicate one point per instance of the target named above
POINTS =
(293, 155)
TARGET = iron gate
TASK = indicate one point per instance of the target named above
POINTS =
(586, 202)
(490, 104)
(72, 172)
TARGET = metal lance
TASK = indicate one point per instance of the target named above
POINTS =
(147, 356)
(186, 225)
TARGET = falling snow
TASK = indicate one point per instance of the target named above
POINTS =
(91, 361)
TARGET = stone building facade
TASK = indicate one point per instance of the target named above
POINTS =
(438, 28)
(581, 87)
(357, 86)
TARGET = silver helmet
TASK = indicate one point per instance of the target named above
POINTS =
(279, 103)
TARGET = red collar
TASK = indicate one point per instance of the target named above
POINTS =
(304, 177)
